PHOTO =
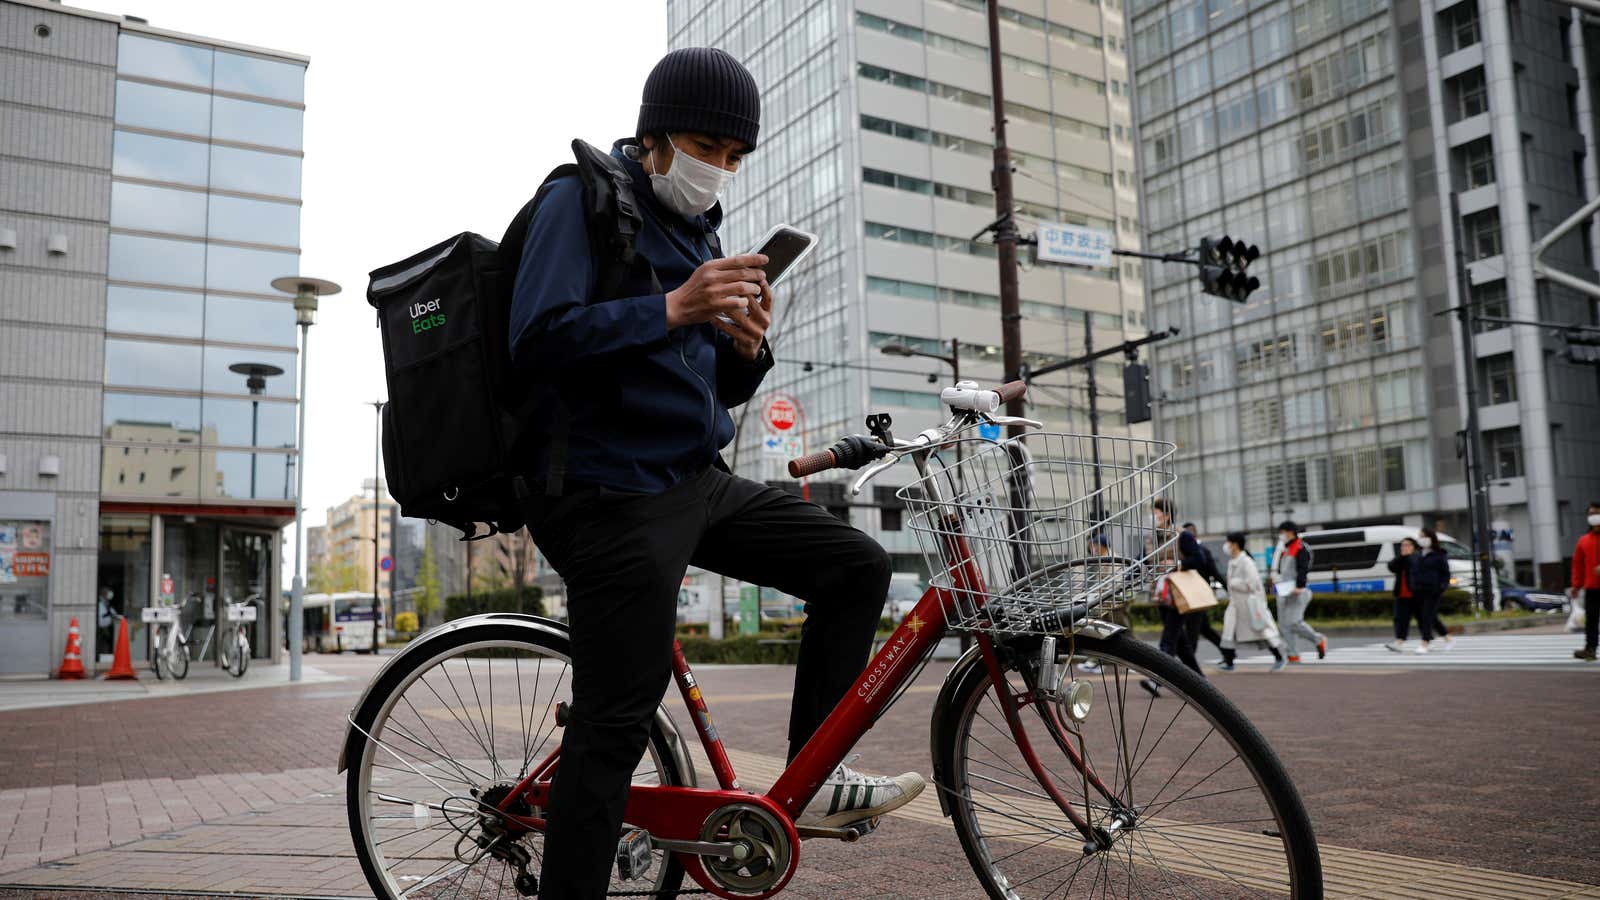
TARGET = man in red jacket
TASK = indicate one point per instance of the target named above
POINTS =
(1586, 578)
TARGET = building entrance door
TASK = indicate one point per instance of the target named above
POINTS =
(189, 555)
(25, 598)
(247, 578)
(124, 584)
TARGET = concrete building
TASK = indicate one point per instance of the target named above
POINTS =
(1333, 134)
(149, 191)
(344, 543)
(876, 135)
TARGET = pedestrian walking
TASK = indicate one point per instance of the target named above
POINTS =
(1586, 582)
(1179, 632)
(1430, 575)
(1202, 622)
(1404, 597)
(1290, 570)
(1247, 620)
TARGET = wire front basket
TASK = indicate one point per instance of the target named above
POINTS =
(1031, 534)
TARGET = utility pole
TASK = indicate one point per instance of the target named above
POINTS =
(1477, 475)
(377, 507)
(1005, 227)
(1094, 411)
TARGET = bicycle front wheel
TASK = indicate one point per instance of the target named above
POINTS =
(178, 660)
(1181, 794)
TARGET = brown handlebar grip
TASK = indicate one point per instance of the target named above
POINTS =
(1012, 390)
(812, 463)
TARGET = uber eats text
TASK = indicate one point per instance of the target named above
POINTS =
(425, 316)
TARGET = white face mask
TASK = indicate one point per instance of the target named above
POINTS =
(1594, 520)
(1424, 541)
(690, 186)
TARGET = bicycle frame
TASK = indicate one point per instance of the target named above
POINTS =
(676, 813)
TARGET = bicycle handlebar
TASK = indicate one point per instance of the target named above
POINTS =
(812, 463)
(1012, 390)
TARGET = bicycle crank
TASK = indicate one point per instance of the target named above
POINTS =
(756, 851)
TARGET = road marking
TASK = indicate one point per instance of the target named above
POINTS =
(1471, 651)
(1243, 856)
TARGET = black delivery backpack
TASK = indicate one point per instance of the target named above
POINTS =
(460, 415)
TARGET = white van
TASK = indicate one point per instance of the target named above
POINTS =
(1357, 559)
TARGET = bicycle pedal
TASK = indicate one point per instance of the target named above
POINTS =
(633, 854)
(848, 833)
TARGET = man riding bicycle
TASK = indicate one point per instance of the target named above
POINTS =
(642, 384)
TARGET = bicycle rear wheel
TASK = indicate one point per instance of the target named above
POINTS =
(453, 725)
(1191, 800)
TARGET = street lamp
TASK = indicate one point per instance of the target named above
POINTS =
(306, 291)
(256, 375)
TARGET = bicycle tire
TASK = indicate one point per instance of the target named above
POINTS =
(243, 651)
(371, 717)
(955, 724)
(178, 661)
(158, 658)
(236, 654)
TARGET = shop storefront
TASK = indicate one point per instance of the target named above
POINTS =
(196, 561)
(25, 556)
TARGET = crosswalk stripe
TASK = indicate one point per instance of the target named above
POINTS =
(1469, 651)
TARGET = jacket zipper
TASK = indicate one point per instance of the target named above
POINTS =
(711, 410)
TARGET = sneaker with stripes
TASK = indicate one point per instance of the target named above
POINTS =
(849, 796)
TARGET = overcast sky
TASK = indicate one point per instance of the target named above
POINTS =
(419, 126)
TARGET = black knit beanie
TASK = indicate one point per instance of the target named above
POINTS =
(701, 89)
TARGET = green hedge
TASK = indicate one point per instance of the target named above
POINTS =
(1326, 607)
(527, 600)
(769, 647)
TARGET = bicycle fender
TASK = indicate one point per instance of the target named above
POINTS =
(547, 627)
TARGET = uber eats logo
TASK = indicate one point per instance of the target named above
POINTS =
(425, 316)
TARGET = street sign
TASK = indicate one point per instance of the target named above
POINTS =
(781, 413)
(782, 446)
(749, 609)
(167, 589)
(1061, 243)
(989, 431)
(386, 563)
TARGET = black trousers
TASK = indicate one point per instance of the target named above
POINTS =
(623, 556)
(1179, 634)
(1591, 618)
(1403, 607)
(1204, 629)
(1427, 606)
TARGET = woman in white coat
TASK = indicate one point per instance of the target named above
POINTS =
(1247, 620)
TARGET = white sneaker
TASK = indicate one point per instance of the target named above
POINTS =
(1448, 642)
(849, 796)
(1420, 649)
(1396, 646)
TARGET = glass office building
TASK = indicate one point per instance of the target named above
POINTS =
(1332, 133)
(876, 134)
(163, 377)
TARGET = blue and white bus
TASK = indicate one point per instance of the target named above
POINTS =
(338, 622)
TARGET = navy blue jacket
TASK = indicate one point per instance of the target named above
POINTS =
(1430, 572)
(649, 406)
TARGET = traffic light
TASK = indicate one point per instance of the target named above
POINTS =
(1223, 265)
(1136, 392)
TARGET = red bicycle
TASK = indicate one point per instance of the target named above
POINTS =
(1071, 759)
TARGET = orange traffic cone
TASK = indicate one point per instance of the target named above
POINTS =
(122, 660)
(72, 660)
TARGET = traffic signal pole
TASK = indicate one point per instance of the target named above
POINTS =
(1005, 226)
(1477, 473)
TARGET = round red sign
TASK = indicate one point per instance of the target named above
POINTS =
(781, 414)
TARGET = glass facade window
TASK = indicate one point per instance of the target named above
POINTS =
(163, 60)
(1477, 162)
(255, 221)
(151, 417)
(163, 108)
(1503, 446)
(255, 172)
(146, 208)
(149, 364)
(152, 311)
(248, 476)
(232, 422)
(244, 74)
(158, 261)
(256, 123)
(247, 321)
(251, 271)
(158, 158)
(150, 471)
(220, 380)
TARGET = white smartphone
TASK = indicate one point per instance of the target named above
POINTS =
(784, 246)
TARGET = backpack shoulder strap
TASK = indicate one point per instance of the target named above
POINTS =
(612, 212)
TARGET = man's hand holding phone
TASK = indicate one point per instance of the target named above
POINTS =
(720, 292)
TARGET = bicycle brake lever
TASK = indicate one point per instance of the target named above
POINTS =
(870, 473)
(1015, 420)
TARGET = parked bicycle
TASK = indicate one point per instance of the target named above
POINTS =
(233, 647)
(172, 634)
(1057, 783)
